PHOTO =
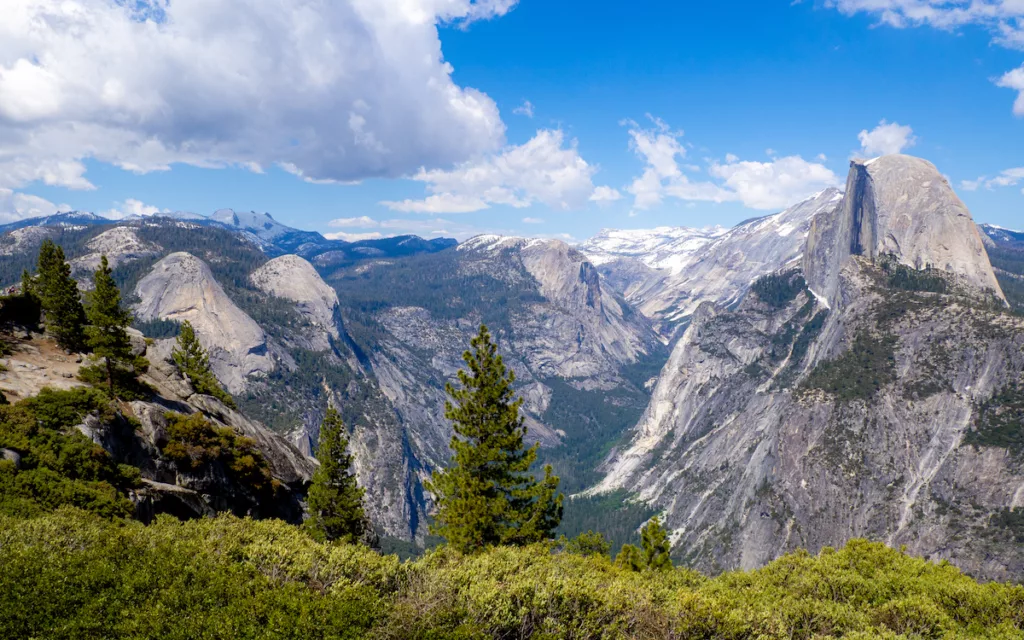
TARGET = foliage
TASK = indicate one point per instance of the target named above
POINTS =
(59, 297)
(68, 575)
(197, 445)
(60, 466)
(588, 544)
(335, 501)
(157, 328)
(193, 361)
(999, 421)
(779, 289)
(900, 276)
(655, 544)
(486, 496)
(20, 310)
(613, 514)
(860, 372)
(108, 320)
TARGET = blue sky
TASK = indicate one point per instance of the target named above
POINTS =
(554, 118)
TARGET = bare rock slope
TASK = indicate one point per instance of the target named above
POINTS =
(885, 410)
(181, 287)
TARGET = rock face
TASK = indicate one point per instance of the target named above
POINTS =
(181, 287)
(798, 420)
(901, 206)
(721, 270)
(663, 248)
(120, 244)
(293, 278)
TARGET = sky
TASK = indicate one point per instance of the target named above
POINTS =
(371, 118)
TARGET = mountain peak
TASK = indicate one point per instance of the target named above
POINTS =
(902, 206)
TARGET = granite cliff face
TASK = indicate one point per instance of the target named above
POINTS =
(873, 399)
(903, 207)
(181, 287)
(293, 278)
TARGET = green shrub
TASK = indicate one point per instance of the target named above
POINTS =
(779, 289)
(195, 444)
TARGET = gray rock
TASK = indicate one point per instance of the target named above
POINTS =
(293, 278)
(11, 456)
(181, 287)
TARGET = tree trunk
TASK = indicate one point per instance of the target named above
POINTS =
(110, 378)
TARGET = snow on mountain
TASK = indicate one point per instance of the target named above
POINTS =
(669, 248)
(260, 224)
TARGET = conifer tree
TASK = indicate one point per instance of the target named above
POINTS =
(656, 546)
(59, 297)
(655, 549)
(487, 497)
(335, 501)
(194, 362)
(108, 321)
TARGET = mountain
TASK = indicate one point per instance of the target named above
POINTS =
(718, 268)
(874, 388)
(1006, 251)
(667, 248)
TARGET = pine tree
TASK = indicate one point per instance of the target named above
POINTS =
(486, 497)
(335, 501)
(656, 546)
(108, 321)
(27, 285)
(630, 558)
(194, 362)
(59, 297)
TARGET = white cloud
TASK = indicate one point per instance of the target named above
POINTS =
(770, 152)
(353, 237)
(333, 91)
(525, 109)
(821, 157)
(1015, 80)
(776, 184)
(1004, 19)
(16, 206)
(1006, 178)
(731, 157)
(544, 170)
(758, 185)
(361, 221)
(132, 207)
(533, 221)
(886, 138)
(605, 194)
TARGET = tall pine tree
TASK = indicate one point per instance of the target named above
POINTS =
(59, 297)
(487, 496)
(335, 501)
(108, 321)
(194, 362)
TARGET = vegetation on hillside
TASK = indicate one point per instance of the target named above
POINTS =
(70, 576)
(779, 289)
(193, 361)
(335, 502)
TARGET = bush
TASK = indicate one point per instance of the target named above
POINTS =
(195, 444)
(71, 575)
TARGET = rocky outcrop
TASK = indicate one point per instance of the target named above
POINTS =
(181, 287)
(799, 420)
(900, 206)
(120, 244)
(293, 278)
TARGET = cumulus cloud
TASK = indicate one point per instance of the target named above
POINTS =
(16, 206)
(758, 185)
(332, 91)
(547, 170)
(1015, 80)
(1004, 19)
(525, 109)
(886, 138)
(361, 221)
(604, 195)
(353, 237)
(132, 208)
(1006, 178)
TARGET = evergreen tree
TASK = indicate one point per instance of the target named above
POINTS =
(655, 549)
(59, 297)
(108, 321)
(656, 546)
(486, 497)
(27, 286)
(335, 501)
(194, 362)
